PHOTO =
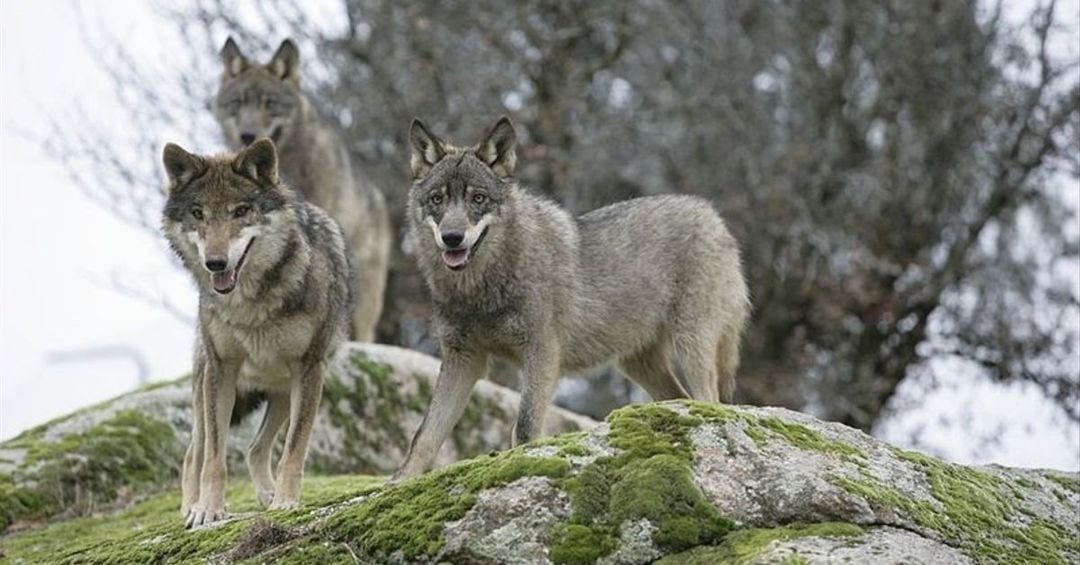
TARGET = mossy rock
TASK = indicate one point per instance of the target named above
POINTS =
(679, 482)
(116, 451)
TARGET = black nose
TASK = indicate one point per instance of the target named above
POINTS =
(247, 138)
(453, 238)
(216, 265)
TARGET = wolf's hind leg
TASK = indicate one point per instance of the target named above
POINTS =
(651, 368)
(262, 446)
(695, 364)
(372, 258)
(727, 363)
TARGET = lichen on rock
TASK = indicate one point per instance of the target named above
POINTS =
(680, 481)
(131, 446)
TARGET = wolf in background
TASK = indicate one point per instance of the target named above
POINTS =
(274, 296)
(255, 101)
(652, 283)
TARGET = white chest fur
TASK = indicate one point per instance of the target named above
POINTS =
(269, 354)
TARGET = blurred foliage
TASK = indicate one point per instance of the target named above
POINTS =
(895, 171)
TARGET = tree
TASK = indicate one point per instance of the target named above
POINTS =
(892, 170)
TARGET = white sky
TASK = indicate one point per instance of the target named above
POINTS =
(59, 251)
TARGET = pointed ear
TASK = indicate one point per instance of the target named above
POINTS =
(499, 148)
(180, 165)
(232, 59)
(285, 64)
(258, 161)
(427, 150)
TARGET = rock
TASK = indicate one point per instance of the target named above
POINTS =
(373, 401)
(680, 481)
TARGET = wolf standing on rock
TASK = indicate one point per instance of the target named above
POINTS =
(653, 283)
(274, 296)
(255, 101)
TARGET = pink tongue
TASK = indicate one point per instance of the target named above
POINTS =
(224, 280)
(455, 258)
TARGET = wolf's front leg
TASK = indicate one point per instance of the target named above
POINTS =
(193, 459)
(458, 374)
(219, 394)
(540, 374)
(303, 406)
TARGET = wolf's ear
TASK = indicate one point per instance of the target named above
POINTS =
(285, 64)
(180, 165)
(427, 150)
(232, 59)
(258, 161)
(499, 148)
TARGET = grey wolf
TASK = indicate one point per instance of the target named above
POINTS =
(255, 101)
(654, 284)
(274, 295)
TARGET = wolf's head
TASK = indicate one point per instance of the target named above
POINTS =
(256, 101)
(459, 192)
(222, 211)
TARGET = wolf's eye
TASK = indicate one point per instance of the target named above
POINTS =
(435, 199)
(479, 198)
(241, 211)
(197, 214)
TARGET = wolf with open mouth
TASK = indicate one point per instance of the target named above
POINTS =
(654, 284)
(264, 99)
(275, 291)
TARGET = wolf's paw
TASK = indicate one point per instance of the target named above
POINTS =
(283, 503)
(200, 515)
(265, 497)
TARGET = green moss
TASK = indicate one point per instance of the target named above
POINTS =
(1026, 483)
(972, 510)
(304, 551)
(650, 479)
(743, 546)
(81, 473)
(580, 545)
(1069, 483)
(760, 436)
(377, 400)
(568, 444)
(761, 430)
(113, 539)
(152, 531)
(33, 436)
(717, 413)
(20, 503)
(409, 517)
(805, 438)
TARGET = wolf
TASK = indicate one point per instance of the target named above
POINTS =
(654, 284)
(256, 100)
(275, 291)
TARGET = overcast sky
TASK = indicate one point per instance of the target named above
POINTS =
(61, 255)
